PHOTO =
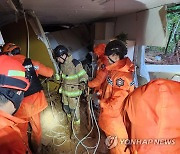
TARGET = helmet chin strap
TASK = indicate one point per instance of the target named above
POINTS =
(111, 60)
(63, 59)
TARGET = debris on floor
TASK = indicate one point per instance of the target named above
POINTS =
(56, 131)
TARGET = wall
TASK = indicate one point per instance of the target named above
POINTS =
(1, 40)
(126, 24)
(99, 31)
(75, 39)
(145, 27)
(16, 33)
(104, 30)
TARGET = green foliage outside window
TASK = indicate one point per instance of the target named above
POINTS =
(173, 20)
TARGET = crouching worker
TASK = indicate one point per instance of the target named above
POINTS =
(117, 86)
(13, 130)
(35, 101)
(152, 114)
(73, 80)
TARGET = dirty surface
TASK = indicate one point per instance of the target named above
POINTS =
(158, 57)
(56, 130)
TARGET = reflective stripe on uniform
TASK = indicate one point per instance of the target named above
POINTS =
(70, 93)
(16, 73)
(60, 90)
(70, 77)
(81, 73)
(74, 76)
(83, 79)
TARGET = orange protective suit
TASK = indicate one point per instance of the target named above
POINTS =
(153, 111)
(13, 135)
(32, 105)
(100, 49)
(118, 84)
(99, 79)
(101, 71)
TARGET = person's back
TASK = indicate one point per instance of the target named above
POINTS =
(153, 111)
(13, 139)
(13, 131)
(35, 100)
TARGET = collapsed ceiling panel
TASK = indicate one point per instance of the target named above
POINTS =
(78, 11)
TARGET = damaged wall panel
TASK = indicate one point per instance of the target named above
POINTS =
(76, 40)
(147, 27)
(16, 33)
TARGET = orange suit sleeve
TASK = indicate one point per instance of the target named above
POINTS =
(100, 77)
(42, 69)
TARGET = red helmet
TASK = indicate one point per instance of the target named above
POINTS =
(12, 74)
(11, 48)
(100, 49)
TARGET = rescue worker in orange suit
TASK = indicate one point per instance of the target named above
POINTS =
(152, 112)
(73, 79)
(13, 130)
(35, 100)
(117, 86)
(99, 51)
(101, 71)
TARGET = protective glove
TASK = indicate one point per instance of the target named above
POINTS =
(57, 77)
(82, 86)
(89, 97)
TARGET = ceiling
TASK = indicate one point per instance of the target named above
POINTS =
(56, 12)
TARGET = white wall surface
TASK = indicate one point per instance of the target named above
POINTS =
(145, 27)
(1, 39)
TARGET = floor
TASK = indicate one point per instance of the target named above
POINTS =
(57, 131)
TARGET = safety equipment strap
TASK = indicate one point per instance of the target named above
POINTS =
(35, 84)
(13, 96)
(9, 81)
(70, 93)
(74, 76)
(111, 60)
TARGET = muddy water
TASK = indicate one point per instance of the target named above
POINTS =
(56, 131)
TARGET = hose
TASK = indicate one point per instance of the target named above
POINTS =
(84, 138)
(58, 135)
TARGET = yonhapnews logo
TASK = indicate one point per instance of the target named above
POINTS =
(148, 141)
